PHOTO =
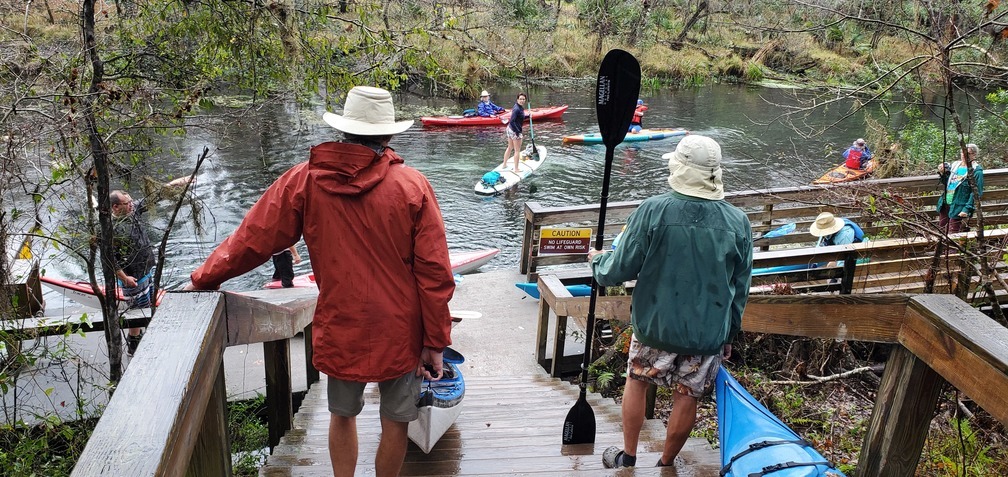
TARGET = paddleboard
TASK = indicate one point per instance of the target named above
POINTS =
(756, 442)
(643, 135)
(508, 178)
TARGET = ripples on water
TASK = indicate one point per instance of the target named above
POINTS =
(255, 152)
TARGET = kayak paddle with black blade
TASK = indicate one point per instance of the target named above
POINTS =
(615, 99)
(528, 104)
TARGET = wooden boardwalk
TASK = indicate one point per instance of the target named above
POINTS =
(508, 426)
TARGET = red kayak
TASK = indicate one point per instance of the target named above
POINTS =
(549, 112)
(461, 262)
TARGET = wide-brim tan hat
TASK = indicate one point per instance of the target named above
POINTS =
(825, 224)
(368, 111)
(695, 168)
(484, 93)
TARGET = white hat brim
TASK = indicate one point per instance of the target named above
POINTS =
(361, 128)
(832, 229)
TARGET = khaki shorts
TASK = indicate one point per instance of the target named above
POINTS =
(692, 375)
(399, 397)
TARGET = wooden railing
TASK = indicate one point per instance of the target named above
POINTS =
(167, 416)
(935, 338)
(896, 202)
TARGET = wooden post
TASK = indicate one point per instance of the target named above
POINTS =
(559, 340)
(542, 334)
(311, 373)
(904, 406)
(849, 266)
(768, 210)
(527, 237)
(212, 453)
(279, 405)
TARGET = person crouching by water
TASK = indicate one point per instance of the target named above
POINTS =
(382, 313)
(513, 132)
(955, 204)
(835, 231)
(858, 155)
(687, 307)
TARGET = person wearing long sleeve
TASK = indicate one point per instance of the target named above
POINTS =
(691, 254)
(487, 108)
(375, 233)
(955, 203)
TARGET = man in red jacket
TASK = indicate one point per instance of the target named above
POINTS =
(375, 235)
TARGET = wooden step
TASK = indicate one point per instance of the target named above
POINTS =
(508, 426)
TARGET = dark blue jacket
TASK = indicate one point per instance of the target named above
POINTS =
(488, 109)
(517, 118)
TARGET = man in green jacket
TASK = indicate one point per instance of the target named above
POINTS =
(691, 254)
(955, 204)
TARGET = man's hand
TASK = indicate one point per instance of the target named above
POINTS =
(726, 351)
(593, 253)
(189, 286)
(296, 256)
(963, 215)
(129, 282)
(431, 365)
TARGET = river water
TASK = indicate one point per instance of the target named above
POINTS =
(758, 153)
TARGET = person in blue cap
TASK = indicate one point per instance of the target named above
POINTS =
(638, 115)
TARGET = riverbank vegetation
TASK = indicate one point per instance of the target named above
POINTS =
(88, 87)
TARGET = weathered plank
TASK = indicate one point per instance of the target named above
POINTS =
(267, 315)
(952, 337)
(168, 385)
(875, 318)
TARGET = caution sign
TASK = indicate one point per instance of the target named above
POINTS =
(554, 241)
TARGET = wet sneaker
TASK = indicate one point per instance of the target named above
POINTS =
(132, 342)
(614, 457)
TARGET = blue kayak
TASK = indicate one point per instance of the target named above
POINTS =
(533, 289)
(755, 443)
(440, 403)
(643, 135)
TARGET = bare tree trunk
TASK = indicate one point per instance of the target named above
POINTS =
(701, 12)
(100, 155)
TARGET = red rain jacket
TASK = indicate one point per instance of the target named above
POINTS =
(377, 244)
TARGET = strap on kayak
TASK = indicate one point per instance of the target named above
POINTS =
(755, 446)
(787, 465)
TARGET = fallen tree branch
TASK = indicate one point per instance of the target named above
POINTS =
(824, 379)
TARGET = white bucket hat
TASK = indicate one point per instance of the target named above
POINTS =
(484, 93)
(825, 224)
(368, 111)
(695, 168)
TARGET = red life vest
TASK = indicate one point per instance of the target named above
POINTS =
(853, 159)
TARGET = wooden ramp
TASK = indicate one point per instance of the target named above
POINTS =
(508, 426)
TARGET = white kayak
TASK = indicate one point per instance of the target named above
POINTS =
(440, 404)
(503, 178)
(82, 293)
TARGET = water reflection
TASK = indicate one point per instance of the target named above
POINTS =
(259, 148)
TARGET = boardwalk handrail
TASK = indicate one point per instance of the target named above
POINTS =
(167, 415)
(770, 208)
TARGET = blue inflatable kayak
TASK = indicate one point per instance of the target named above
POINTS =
(440, 403)
(755, 443)
(643, 135)
(533, 289)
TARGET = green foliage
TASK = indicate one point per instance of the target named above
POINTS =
(957, 450)
(50, 448)
(249, 435)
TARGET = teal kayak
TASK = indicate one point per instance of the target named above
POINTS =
(643, 135)
(533, 289)
(755, 443)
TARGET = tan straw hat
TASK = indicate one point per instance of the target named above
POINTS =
(484, 93)
(695, 168)
(826, 224)
(368, 111)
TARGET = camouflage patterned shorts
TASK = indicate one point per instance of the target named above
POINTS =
(687, 374)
